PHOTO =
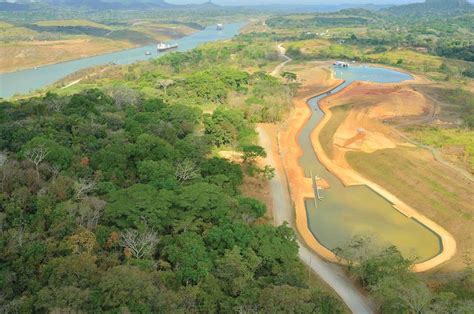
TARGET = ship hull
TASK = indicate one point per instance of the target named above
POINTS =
(166, 48)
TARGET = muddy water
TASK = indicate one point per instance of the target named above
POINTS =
(348, 211)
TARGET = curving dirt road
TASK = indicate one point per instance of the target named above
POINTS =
(278, 68)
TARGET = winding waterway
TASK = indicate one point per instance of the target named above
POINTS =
(358, 210)
(25, 81)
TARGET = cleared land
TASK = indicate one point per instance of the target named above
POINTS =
(314, 78)
(365, 143)
(358, 114)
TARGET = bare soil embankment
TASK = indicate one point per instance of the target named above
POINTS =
(337, 280)
(364, 131)
(315, 78)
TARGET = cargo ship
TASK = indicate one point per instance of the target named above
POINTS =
(164, 47)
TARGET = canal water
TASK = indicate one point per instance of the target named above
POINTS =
(25, 81)
(349, 211)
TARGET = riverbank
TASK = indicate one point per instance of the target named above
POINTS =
(39, 51)
(31, 55)
(27, 81)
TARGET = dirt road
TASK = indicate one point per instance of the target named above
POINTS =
(283, 212)
(278, 68)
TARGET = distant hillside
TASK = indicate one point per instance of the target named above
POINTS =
(113, 4)
(436, 7)
(93, 4)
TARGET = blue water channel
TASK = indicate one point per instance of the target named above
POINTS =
(25, 81)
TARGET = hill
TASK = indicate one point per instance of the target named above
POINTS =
(113, 4)
(433, 7)
(91, 4)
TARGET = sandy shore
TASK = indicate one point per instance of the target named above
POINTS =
(317, 80)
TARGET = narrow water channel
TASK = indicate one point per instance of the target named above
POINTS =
(25, 81)
(345, 212)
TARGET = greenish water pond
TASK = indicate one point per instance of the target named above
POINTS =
(345, 212)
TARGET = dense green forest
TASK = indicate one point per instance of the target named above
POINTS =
(387, 276)
(113, 200)
(445, 35)
(111, 208)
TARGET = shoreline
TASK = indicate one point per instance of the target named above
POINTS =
(69, 60)
(348, 177)
(133, 46)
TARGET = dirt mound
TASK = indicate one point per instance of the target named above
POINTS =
(371, 106)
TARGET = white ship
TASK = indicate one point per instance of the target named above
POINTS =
(341, 64)
(220, 27)
(163, 47)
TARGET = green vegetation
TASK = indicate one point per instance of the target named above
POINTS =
(387, 276)
(230, 73)
(109, 208)
(113, 199)
(458, 141)
(385, 37)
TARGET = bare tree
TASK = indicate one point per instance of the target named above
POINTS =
(55, 169)
(123, 96)
(20, 234)
(10, 171)
(36, 155)
(89, 212)
(165, 83)
(56, 104)
(139, 244)
(3, 158)
(82, 187)
(186, 170)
